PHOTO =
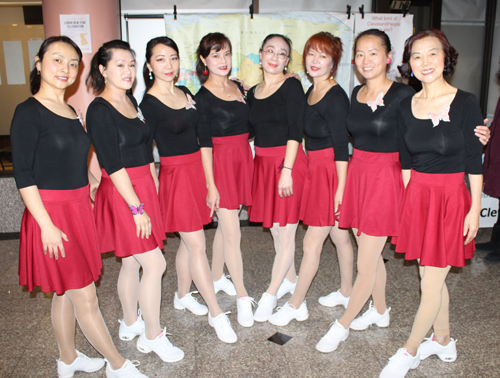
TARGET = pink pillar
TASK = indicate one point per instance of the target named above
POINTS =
(104, 26)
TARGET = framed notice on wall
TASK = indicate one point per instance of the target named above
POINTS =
(77, 27)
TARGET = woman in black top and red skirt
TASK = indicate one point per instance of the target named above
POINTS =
(59, 249)
(172, 115)
(439, 220)
(326, 138)
(223, 133)
(126, 210)
(277, 108)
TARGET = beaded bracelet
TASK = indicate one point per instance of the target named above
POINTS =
(137, 209)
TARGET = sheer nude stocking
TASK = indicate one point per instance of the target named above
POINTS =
(229, 223)
(345, 254)
(183, 272)
(371, 276)
(218, 254)
(199, 270)
(284, 240)
(64, 324)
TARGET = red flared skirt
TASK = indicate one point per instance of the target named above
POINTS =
(373, 194)
(268, 207)
(432, 220)
(233, 170)
(116, 229)
(71, 212)
(318, 200)
(183, 193)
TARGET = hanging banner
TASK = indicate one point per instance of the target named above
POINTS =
(398, 27)
(246, 36)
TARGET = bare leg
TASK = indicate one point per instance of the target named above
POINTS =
(431, 284)
(218, 254)
(194, 243)
(231, 233)
(128, 288)
(182, 267)
(92, 324)
(340, 237)
(284, 256)
(369, 257)
(153, 265)
(64, 324)
(313, 245)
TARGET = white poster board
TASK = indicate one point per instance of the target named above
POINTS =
(489, 211)
(398, 27)
(77, 27)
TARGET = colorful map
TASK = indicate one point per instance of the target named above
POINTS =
(246, 36)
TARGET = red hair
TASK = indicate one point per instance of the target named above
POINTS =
(327, 43)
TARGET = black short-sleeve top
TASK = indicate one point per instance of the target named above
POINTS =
(220, 118)
(377, 131)
(448, 147)
(325, 124)
(48, 150)
(174, 130)
(280, 117)
(119, 142)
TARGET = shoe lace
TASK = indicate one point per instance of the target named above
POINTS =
(191, 295)
(370, 309)
(399, 358)
(164, 339)
(266, 300)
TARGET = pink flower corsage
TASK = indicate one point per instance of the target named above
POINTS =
(190, 104)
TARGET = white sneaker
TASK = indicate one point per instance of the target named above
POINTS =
(161, 346)
(333, 337)
(223, 328)
(245, 313)
(128, 370)
(447, 353)
(286, 313)
(128, 333)
(225, 285)
(191, 303)
(265, 308)
(334, 299)
(81, 363)
(286, 287)
(400, 364)
(371, 316)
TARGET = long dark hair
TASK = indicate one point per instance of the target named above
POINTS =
(149, 52)
(211, 41)
(35, 79)
(95, 80)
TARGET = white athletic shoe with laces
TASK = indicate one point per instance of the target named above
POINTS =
(446, 353)
(285, 288)
(128, 370)
(371, 316)
(81, 363)
(225, 285)
(286, 313)
(400, 364)
(128, 333)
(191, 303)
(161, 346)
(265, 308)
(223, 327)
(334, 299)
(333, 337)
(245, 313)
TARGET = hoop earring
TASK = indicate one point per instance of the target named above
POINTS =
(206, 70)
(150, 75)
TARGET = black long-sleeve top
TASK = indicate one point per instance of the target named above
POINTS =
(48, 150)
(377, 131)
(280, 117)
(325, 123)
(219, 118)
(120, 142)
(449, 147)
(174, 130)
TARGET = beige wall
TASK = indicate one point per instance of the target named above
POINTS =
(11, 95)
(11, 15)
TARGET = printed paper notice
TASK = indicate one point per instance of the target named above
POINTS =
(77, 27)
